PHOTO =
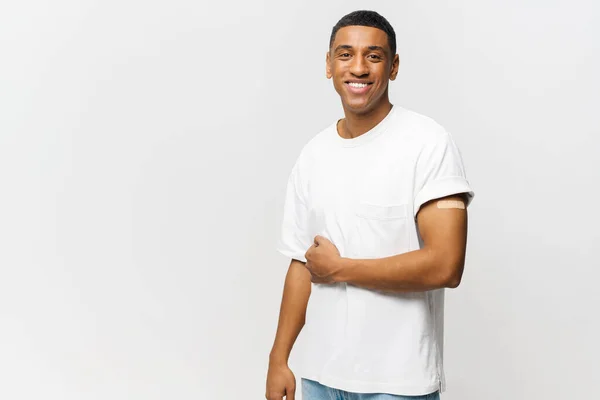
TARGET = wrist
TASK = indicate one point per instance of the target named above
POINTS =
(277, 359)
(341, 274)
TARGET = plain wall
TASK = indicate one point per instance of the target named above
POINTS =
(144, 151)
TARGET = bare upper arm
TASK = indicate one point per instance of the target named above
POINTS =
(444, 232)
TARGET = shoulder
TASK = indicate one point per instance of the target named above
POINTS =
(317, 144)
(421, 128)
(312, 150)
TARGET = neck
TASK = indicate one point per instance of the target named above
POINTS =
(354, 124)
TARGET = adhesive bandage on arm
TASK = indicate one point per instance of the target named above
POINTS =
(451, 204)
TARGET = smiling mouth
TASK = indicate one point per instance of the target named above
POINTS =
(357, 85)
(358, 88)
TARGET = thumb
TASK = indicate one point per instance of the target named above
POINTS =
(318, 240)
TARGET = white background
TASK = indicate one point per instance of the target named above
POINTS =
(144, 151)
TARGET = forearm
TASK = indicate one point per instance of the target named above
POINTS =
(414, 271)
(292, 312)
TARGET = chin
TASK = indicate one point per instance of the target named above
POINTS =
(359, 108)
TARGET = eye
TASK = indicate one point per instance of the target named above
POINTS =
(375, 56)
(345, 54)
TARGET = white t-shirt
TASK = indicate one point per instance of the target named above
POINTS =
(363, 195)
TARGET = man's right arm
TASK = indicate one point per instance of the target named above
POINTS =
(292, 313)
(296, 291)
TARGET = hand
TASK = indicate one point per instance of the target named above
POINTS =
(280, 382)
(323, 260)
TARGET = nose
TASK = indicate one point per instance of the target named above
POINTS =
(359, 67)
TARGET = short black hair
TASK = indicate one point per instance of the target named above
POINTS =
(366, 18)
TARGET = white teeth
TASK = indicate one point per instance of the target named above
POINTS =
(357, 85)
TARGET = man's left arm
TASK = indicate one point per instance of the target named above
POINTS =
(442, 224)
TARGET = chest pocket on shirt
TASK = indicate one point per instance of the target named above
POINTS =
(381, 230)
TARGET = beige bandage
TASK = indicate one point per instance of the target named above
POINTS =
(451, 204)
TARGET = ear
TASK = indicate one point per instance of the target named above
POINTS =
(395, 67)
(328, 66)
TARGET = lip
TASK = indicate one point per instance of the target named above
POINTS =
(355, 90)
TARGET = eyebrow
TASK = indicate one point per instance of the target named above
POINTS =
(347, 46)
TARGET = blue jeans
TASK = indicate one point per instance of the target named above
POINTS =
(313, 390)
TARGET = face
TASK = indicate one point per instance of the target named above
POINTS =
(360, 64)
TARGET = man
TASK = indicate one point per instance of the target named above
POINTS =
(375, 223)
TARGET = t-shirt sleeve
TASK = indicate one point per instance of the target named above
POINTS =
(294, 239)
(440, 172)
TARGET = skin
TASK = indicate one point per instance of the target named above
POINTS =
(361, 53)
(280, 379)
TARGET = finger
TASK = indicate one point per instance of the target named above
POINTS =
(290, 394)
(308, 253)
(321, 279)
(308, 266)
(319, 240)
